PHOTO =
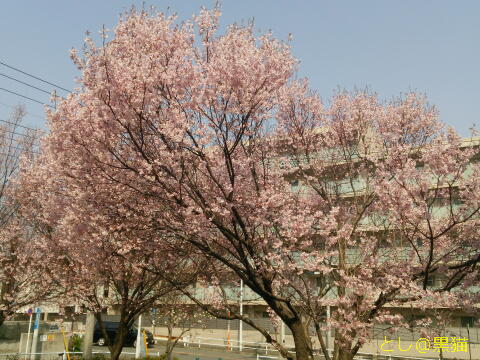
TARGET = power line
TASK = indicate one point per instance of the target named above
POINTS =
(24, 83)
(26, 151)
(14, 143)
(20, 134)
(28, 139)
(35, 77)
(12, 132)
(13, 147)
(26, 97)
(22, 126)
(26, 113)
(18, 142)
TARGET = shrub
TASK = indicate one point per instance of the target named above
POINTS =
(75, 343)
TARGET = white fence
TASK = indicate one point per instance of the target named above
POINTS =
(260, 350)
(267, 351)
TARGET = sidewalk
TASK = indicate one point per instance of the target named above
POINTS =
(194, 353)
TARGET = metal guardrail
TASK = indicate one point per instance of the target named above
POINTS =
(266, 347)
(230, 344)
(62, 354)
(227, 344)
(265, 357)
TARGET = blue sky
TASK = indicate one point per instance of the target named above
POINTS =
(429, 46)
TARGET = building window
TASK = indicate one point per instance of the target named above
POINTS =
(106, 289)
(414, 319)
(467, 321)
(320, 282)
(431, 281)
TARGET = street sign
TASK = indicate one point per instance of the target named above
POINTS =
(30, 311)
(37, 318)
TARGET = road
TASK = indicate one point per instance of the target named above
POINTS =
(194, 353)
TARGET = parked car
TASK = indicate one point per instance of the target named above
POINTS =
(54, 328)
(111, 328)
(149, 336)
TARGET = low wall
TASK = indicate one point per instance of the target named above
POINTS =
(53, 343)
(253, 338)
(48, 343)
(8, 346)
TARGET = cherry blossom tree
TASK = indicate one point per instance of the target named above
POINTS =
(20, 265)
(179, 316)
(354, 205)
(97, 253)
(401, 193)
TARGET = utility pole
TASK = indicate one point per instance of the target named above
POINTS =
(282, 332)
(138, 348)
(30, 315)
(240, 325)
(35, 343)
(154, 320)
(329, 341)
(228, 332)
(88, 339)
(468, 340)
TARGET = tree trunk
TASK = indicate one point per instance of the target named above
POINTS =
(168, 346)
(323, 346)
(169, 350)
(301, 338)
(344, 354)
(2, 317)
(116, 351)
(117, 346)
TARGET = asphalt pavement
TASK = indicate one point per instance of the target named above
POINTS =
(194, 353)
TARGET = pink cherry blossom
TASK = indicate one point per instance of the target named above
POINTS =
(204, 145)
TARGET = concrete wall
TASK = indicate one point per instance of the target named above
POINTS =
(254, 339)
(8, 346)
(374, 349)
(48, 343)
